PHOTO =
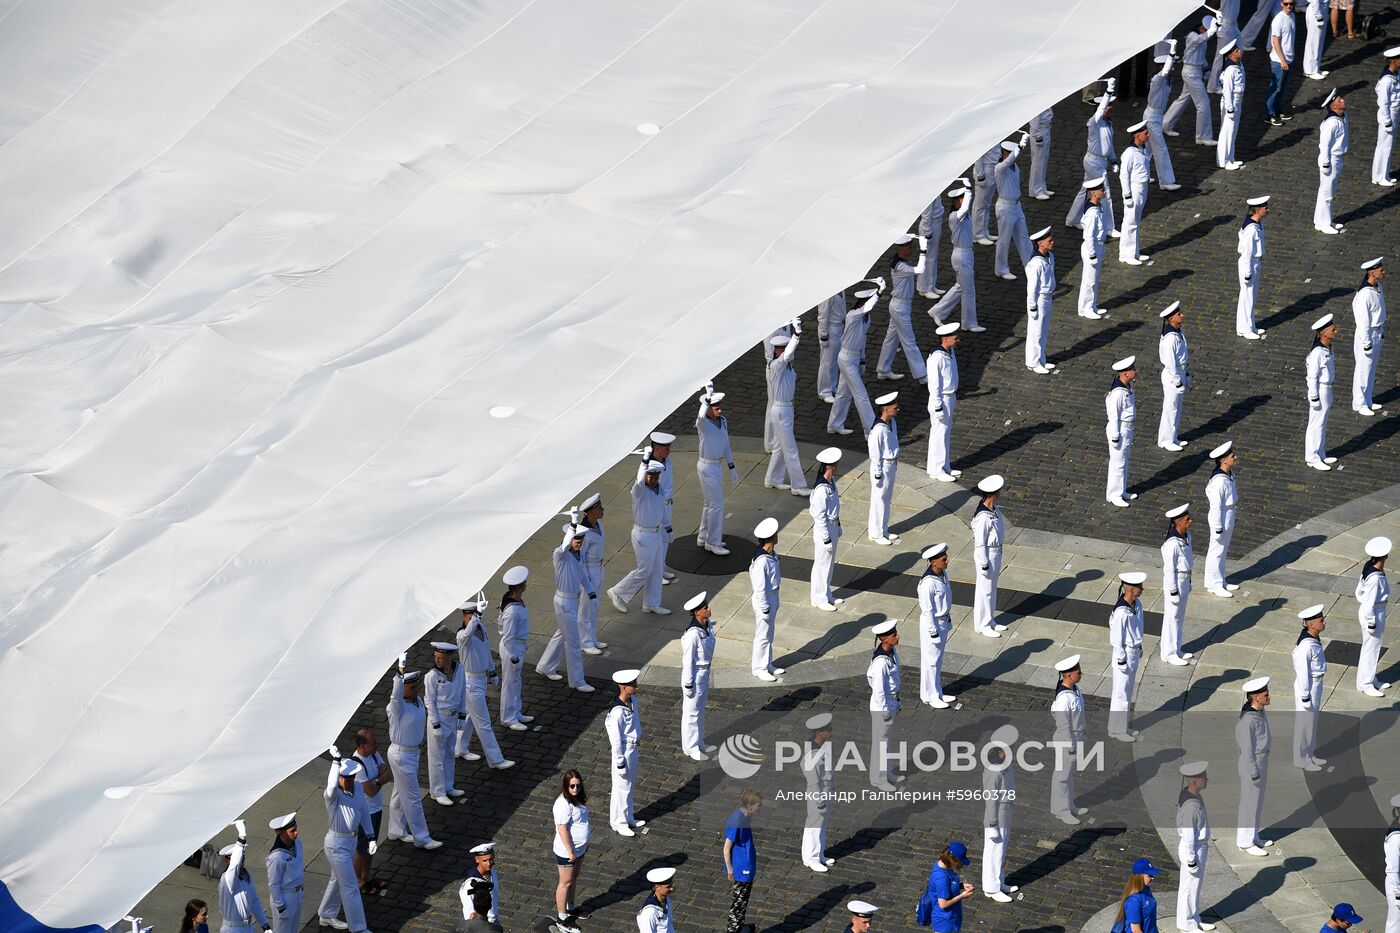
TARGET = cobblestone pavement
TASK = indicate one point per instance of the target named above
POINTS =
(1046, 433)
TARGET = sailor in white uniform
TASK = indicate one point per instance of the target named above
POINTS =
(883, 444)
(988, 534)
(1100, 158)
(655, 915)
(1309, 672)
(648, 545)
(931, 229)
(1176, 376)
(1177, 561)
(286, 875)
(1254, 739)
(1372, 594)
(238, 898)
(784, 465)
(910, 256)
(594, 548)
(697, 654)
(566, 644)
(478, 670)
(1040, 293)
(1332, 141)
(765, 577)
(514, 622)
(942, 400)
(444, 700)
(1134, 173)
(1223, 497)
(408, 725)
(1040, 126)
(1251, 259)
(999, 788)
(712, 459)
(1368, 306)
(1091, 248)
(481, 872)
(1011, 219)
(861, 912)
(346, 817)
(624, 727)
(825, 509)
(1121, 406)
(1125, 628)
(883, 676)
(1193, 90)
(1067, 709)
(1387, 115)
(850, 362)
(818, 770)
(1315, 21)
(1231, 107)
(831, 324)
(963, 293)
(1193, 830)
(1159, 91)
(935, 625)
(1321, 367)
(984, 177)
(1392, 868)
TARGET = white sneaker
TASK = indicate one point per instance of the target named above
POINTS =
(1176, 660)
(431, 844)
(593, 651)
(999, 627)
(1132, 261)
(334, 923)
(1172, 447)
(1222, 593)
(884, 542)
(550, 675)
(1253, 335)
(1068, 818)
(765, 676)
(1232, 586)
(944, 477)
(1330, 231)
(889, 376)
(984, 241)
(1000, 898)
(801, 491)
(831, 430)
(817, 867)
(989, 632)
(1172, 133)
(1009, 276)
(768, 485)
(503, 764)
(469, 756)
(1042, 370)
(829, 399)
(1119, 501)
(517, 727)
(1364, 412)
(1172, 187)
(657, 610)
(585, 688)
(824, 607)
(618, 604)
(454, 793)
(1319, 465)
(444, 800)
(937, 703)
(1388, 183)
(1372, 692)
(698, 755)
(1254, 850)
(624, 831)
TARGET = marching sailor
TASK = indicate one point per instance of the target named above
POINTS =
(1231, 102)
(697, 654)
(238, 898)
(444, 700)
(1099, 158)
(963, 293)
(935, 625)
(478, 669)
(408, 725)
(1177, 561)
(1331, 150)
(346, 817)
(784, 465)
(514, 623)
(1011, 219)
(648, 546)
(570, 580)
(594, 547)
(850, 362)
(1158, 93)
(1091, 248)
(286, 875)
(900, 330)
(1223, 497)
(1134, 172)
(1193, 90)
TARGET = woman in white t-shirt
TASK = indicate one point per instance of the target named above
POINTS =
(572, 831)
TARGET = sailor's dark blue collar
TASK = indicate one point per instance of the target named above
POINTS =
(939, 348)
(1249, 708)
(619, 701)
(982, 507)
(475, 872)
(702, 626)
(1394, 828)
(1173, 533)
(651, 901)
(928, 572)
(1304, 634)
(1120, 384)
(1250, 220)
(1167, 328)
(1125, 604)
(1369, 568)
(277, 843)
(881, 650)
(760, 552)
(1365, 284)
(1062, 686)
(1186, 795)
(507, 599)
(1219, 472)
(1317, 342)
(823, 478)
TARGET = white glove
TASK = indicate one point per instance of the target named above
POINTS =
(242, 828)
(373, 846)
(403, 661)
(1025, 138)
(734, 476)
(709, 388)
(1112, 85)
(573, 515)
(335, 752)
(796, 326)
(923, 244)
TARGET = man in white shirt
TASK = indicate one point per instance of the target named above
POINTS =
(1280, 61)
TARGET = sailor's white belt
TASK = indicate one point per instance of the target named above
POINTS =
(331, 832)
(702, 667)
(646, 527)
(1186, 65)
(403, 748)
(448, 713)
(560, 594)
(890, 459)
(779, 402)
(479, 674)
(710, 460)
(230, 924)
(992, 547)
(1008, 201)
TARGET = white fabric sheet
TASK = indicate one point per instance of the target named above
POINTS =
(267, 268)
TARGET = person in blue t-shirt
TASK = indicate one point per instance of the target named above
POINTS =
(1343, 916)
(740, 859)
(1137, 911)
(946, 891)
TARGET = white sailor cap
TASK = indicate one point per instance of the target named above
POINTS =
(661, 437)
(626, 676)
(283, 822)
(1169, 310)
(1395, 801)
(861, 909)
(905, 238)
(516, 576)
(445, 646)
(1193, 768)
(1322, 322)
(468, 605)
(661, 875)
(930, 553)
(885, 627)
(1392, 52)
(591, 502)
(1006, 734)
(1179, 511)
(1010, 146)
(781, 340)
(1373, 263)
(349, 767)
(1041, 234)
(1222, 450)
(889, 398)
(1312, 612)
(819, 722)
(1326, 101)
(962, 180)
(944, 330)
(1138, 127)
(829, 455)
(1093, 183)
(227, 850)
(1378, 546)
(766, 528)
(1125, 364)
(656, 466)
(1255, 685)
(1208, 21)
(697, 601)
(412, 677)
(1163, 59)
(1067, 664)
(867, 292)
(483, 849)
(576, 531)
(1259, 201)
(1133, 577)
(991, 484)
(714, 398)
(1229, 47)
(958, 193)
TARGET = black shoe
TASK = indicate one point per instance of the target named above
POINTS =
(1275, 121)
(1286, 116)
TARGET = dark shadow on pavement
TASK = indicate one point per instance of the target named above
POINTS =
(1012, 440)
(1311, 302)
(1194, 232)
(1281, 556)
(1153, 286)
(1095, 341)
(817, 909)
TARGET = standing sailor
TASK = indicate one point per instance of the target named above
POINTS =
(1254, 739)
(566, 644)
(514, 623)
(999, 787)
(1158, 93)
(825, 509)
(238, 898)
(817, 768)
(1067, 709)
(1321, 374)
(883, 443)
(1251, 252)
(765, 577)
(963, 293)
(1040, 126)
(713, 457)
(286, 876)
(1392, 868)
(443, 699)
(1122, 412)
(904, 270)
(935, 625)
(624, 728)
(1193, 826)
(942, 400)
(1193, 91)
(346, 817)
(1387, 115)
(648, 546)
(1331, 151)
(1315, 20)
(1011, 219)
(1223, 496)
(655, 915)
(1372, 594)
(1099, 159)
(850, 362)
(1309, 671)
(831, 324)
(1368, 305)
(988, 533)
(883, 677)
(1176, 376)
(1091, 249)
(594, 547)
(1125, 639)
(408, 724)
(1040, 293)
(784, 466)
(697, 654)
(482, 873)
(1231, 102)
(479, 669)
(983, 174)
(1177, 562)
(1134, 172)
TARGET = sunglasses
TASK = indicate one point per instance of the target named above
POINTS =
(575, 784)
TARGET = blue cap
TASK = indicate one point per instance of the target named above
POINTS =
(1346, 913)
(1144, 867)
(959, 852)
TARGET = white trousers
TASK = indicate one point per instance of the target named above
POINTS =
(1380, 162)
(1172, 398)
(1392, 909)
(406, 799)
(343, 891)
(1120, 703)
(565, 644)
(932, 643)
(1244, 307)
(850, 388)
(927, 280)
(442, 761)
(900, 333)
(711, 477)
(994, 858)
(1173, 624)
(1132, 218)
(1312, 45)
(511, 707)
(823, 563)
(1188, 895)
(1363, 379)
(1251, 812)
(1263, 15)
(983, 192)
(1011, 229)
(1225, 142)
(1215, 554)
(1040, 164)
(1037, 330)
(1326, 190)
(1118, 458)
(1062, 781)
(479, 721)
(1094, 167)
(588, 608)
(620, 802)
(984, 599)
(1089, 285)
(882, 743)
(1305, 730)
(940, 437)
(1370, 654)
(1193, 91)
(693, 713)
(649, 547)
(963, 293)
(827, 374)
(764, 623)
(881, 497)
(1315, 443)
(289, 920)
(814, 835)
(784, 464)
(1161, 156)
